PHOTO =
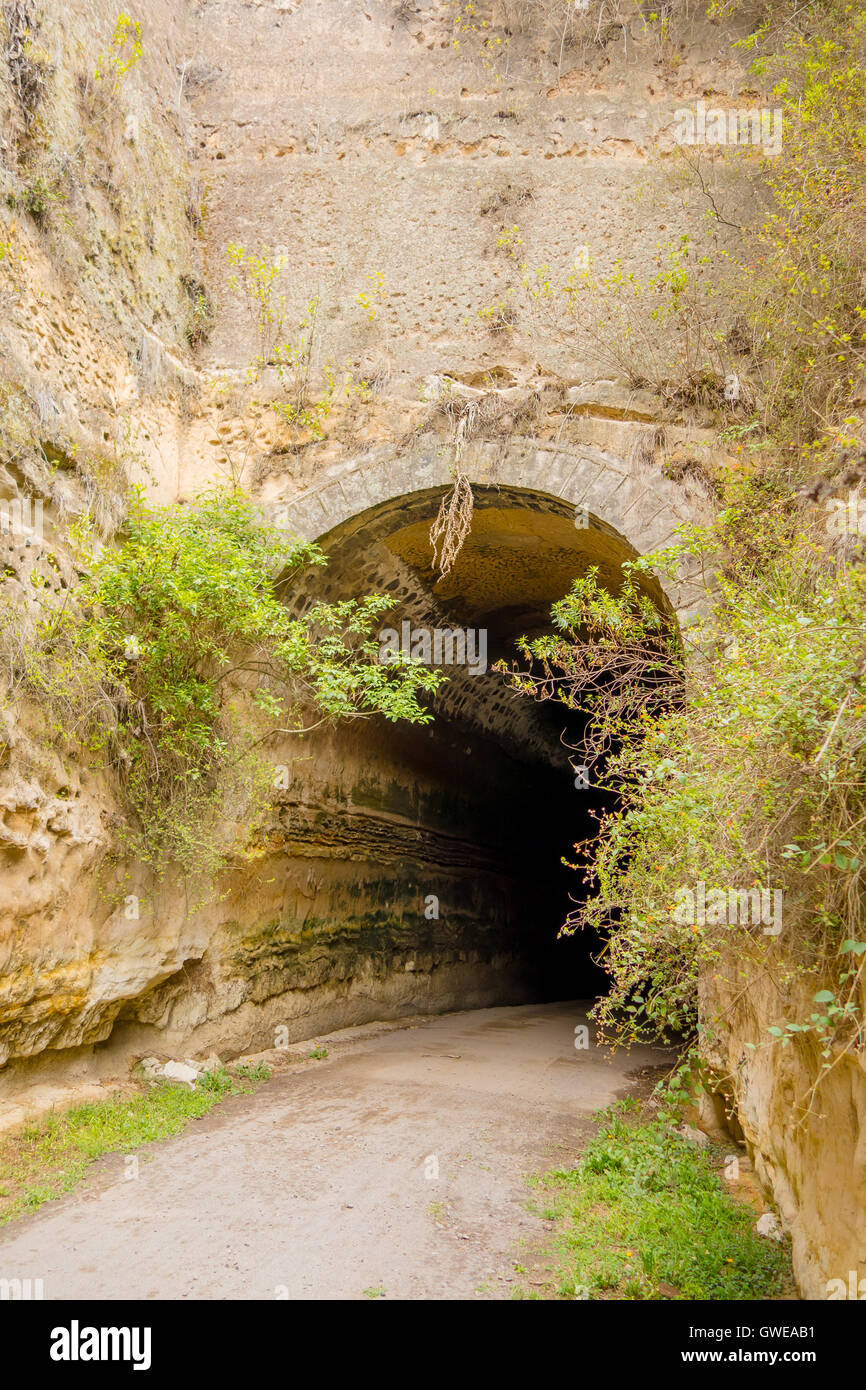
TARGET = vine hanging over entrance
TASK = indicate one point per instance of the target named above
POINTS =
(453, 523)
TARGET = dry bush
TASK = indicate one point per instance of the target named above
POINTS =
(28, 70)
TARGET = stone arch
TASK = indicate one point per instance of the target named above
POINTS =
(629, 499)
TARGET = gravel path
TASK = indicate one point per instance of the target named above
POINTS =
(397, 1164)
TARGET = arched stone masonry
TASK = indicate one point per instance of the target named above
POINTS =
(631, 499)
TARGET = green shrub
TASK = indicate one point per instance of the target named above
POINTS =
(740, 763)
(178, 660)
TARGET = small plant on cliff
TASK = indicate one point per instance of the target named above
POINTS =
(125, 51)
(293, 362)
(667, 331)
(256, 279)
(178, 662)
(300, 403)
(200, 314)
(37, 194)
(371, 300)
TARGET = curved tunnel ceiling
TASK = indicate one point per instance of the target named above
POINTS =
(523, 552)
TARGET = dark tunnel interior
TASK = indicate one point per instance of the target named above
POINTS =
(459, 828)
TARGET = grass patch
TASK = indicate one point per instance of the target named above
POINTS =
(645, 1215)
(50, 1156)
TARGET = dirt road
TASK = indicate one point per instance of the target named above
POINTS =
(395, 1165)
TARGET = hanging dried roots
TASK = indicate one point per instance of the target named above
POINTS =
(453, 524)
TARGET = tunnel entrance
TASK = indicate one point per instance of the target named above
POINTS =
(436, 851)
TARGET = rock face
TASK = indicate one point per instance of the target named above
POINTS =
(412, 166)
(804, 1124)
